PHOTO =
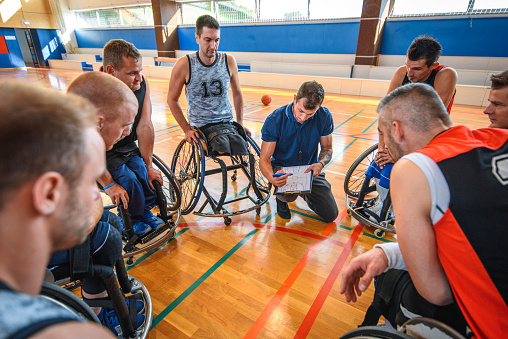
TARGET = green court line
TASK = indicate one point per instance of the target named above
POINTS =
(346, 228)
(146, 255)
(198, 282)
(351, 117)
(373, 236)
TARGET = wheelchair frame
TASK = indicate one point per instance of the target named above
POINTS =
(116, 286)
(168, 201)
(360, 195)
(188, 164)
(420, 327)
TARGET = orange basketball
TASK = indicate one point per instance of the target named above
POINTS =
(266, 99)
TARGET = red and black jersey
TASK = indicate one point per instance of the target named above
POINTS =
(471, 236)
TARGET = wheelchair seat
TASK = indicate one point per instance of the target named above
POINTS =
(420, 327)
(361, 196)
(188, 165)
(168, 200)
(119, 287)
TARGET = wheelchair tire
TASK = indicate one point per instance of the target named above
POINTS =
(188, 166)
(375, 332)
(356, 173)
(170, 188)
(68, 300)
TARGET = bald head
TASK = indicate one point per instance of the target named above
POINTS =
(416, 105)
(115, 102)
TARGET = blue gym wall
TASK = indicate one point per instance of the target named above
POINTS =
(459, 37)
(328, 38)
(482, 37)
(50, 44)
(142, 38)
(14, 58)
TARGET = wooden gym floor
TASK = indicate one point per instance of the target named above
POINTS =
(261, 276)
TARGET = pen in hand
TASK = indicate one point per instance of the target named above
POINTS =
(276, 175)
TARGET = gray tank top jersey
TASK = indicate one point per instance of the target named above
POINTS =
(207, 91)
(22, 315)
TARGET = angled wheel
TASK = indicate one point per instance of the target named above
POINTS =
(188, 165)
(171, 188)
(262, 187)
(68, 300)
(375, 332)
(356, 173)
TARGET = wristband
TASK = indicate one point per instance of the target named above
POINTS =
(105, 188)
(322, 163)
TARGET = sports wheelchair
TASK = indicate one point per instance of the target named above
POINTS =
(361, 195)
(420, 327)
(168, 200)
(188, 165)
(120, 288)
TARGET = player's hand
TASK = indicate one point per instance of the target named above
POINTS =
(360, 272)
(280, 181)
(154, 174)
(316, 169)
(191, 136)
(382, 158)
(247, 131)
(117, 193)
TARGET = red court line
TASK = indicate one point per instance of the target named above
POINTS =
(314, 310)
(288, 283)
(270, 227)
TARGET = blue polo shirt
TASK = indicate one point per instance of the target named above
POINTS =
(292, 137)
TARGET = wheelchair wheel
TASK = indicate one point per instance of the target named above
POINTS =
(188, 165)
(375, 332)
(67, 300)
(170, 188)
(356, 173)
(422, 327)
(262, 188)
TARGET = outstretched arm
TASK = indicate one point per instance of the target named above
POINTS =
(146, 137)
(411, 201)
(237, 91)
(445, 83)
(267, 149)
(179, 76)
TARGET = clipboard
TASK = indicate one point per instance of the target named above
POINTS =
(297, 183)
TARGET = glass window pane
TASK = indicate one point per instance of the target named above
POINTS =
(109, 18)
(87, 19)
(326, 9)
(411, 7)
(284, 9)
(490, 4)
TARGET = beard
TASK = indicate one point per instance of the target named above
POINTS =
(396, 151)
(74, 223)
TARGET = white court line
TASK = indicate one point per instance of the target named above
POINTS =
(341, 174)
(261, 109)
(162, 140)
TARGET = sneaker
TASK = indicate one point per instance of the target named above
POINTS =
(108, 318)
(151, 220)
(283, 209)
(140, 228)
(376, 208)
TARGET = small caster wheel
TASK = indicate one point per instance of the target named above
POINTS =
(348, 212)
(227, 221)
(258, 210)
(130, 261)
(379, 233)
(234, 176)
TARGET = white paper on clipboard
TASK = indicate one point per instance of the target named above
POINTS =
(299, 182)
